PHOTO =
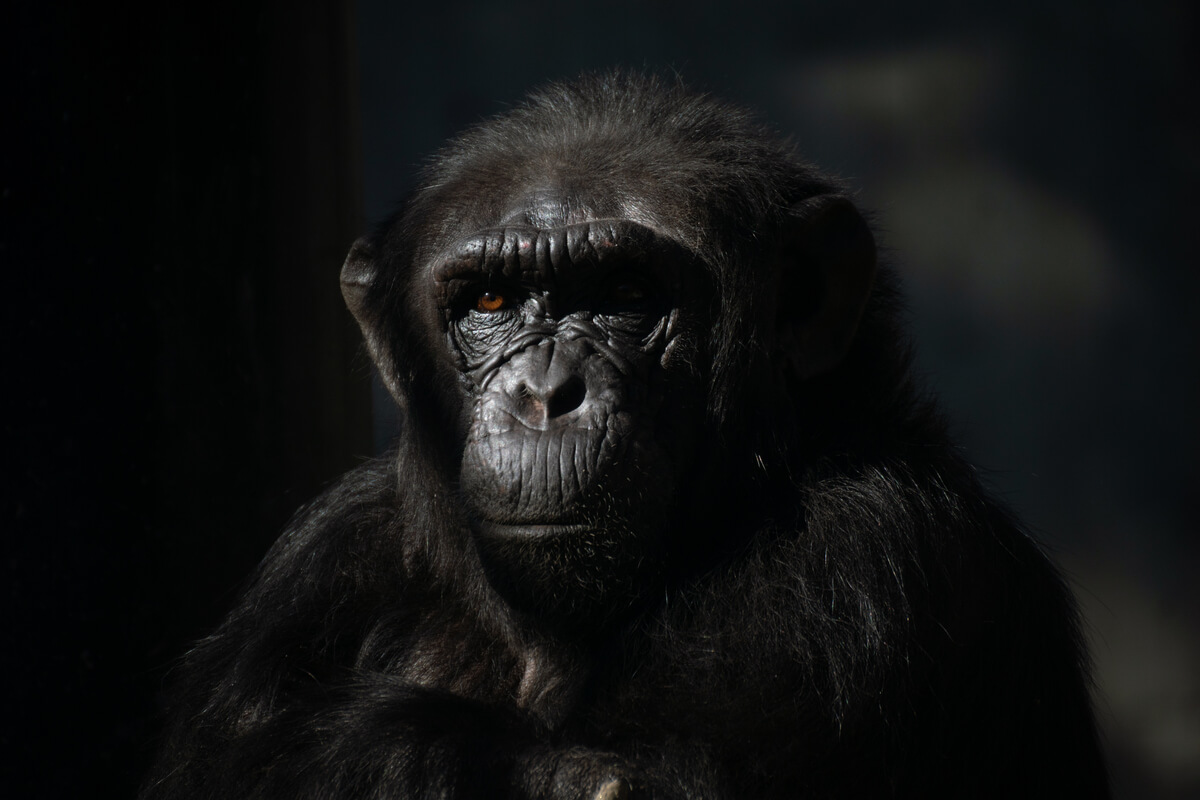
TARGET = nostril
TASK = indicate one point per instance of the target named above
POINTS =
(567, 397)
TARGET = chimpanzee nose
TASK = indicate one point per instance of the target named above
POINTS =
(554, 399)
(548, 384)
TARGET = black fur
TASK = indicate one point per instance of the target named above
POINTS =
(833, 608)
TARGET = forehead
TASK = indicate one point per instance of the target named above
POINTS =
(563, 203)
(551, 190)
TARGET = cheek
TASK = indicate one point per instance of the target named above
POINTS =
(681, 351)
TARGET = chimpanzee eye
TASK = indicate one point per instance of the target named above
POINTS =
(628, 291)
(490, 302)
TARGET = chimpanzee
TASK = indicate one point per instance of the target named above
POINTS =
(667, 516)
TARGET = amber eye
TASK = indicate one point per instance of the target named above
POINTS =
(489, 302)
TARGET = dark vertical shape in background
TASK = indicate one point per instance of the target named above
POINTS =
(180, 373)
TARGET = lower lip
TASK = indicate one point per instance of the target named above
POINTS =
(494, 530)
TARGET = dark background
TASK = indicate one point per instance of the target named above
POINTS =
(178, 188)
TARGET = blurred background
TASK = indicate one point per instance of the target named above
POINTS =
(179, 186)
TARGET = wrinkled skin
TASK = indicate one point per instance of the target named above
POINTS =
(571, 343)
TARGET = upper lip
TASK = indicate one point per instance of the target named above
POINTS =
(530, 527)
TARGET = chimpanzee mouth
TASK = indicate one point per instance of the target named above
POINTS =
(529, 530)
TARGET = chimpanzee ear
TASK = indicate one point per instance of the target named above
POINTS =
(826, 272)
(358, 273)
